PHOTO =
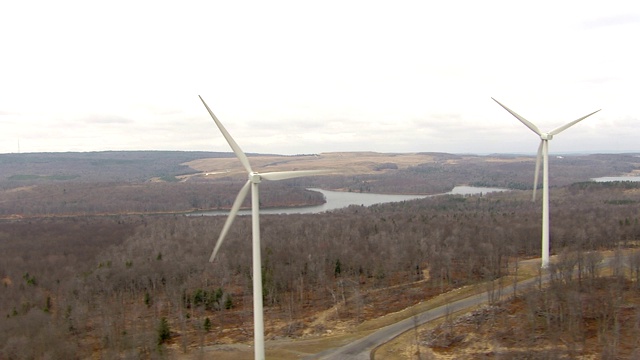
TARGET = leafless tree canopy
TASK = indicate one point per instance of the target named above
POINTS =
(76, 281)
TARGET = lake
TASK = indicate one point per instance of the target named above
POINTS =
(616, 178)
(339, 199)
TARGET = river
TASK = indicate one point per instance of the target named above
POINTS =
(339, 199)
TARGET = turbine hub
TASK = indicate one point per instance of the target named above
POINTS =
(255, 178)
(546, 136)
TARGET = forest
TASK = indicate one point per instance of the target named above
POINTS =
(98, 256)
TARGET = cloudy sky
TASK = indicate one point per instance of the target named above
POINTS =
(294, 77)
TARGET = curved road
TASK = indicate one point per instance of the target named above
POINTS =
(361, 349)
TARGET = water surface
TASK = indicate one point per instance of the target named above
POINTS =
(339, 199)
(616, 178)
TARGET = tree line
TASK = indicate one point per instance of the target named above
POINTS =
(120, 182)
(84, 284)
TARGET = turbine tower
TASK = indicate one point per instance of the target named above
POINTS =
(543, 152)
(253, 182)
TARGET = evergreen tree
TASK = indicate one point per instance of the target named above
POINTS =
(164, 332)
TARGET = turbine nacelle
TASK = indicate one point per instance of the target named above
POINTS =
(546, 136)
(255, 178)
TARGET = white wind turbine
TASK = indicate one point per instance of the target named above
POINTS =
(543, 152)
(253, 182)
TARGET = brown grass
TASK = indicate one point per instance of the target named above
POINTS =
(325, 331)
(348, 162)
(505, 331)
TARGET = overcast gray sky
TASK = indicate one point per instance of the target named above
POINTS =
(305, 77)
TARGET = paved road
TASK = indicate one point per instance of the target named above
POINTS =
(361, 349)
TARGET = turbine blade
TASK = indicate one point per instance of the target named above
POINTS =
(283, 175)
(232, 215)
(526, 122)
(236, 149)
(535, 177)
(565, 127)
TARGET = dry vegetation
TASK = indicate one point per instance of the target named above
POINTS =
(598, 318)
(159, 182)
(346, 163)
(77, 283)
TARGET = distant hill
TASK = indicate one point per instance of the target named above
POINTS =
(106, 166)
(165, 181)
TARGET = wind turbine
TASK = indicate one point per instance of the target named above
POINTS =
(543, 152)
(254, 180)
